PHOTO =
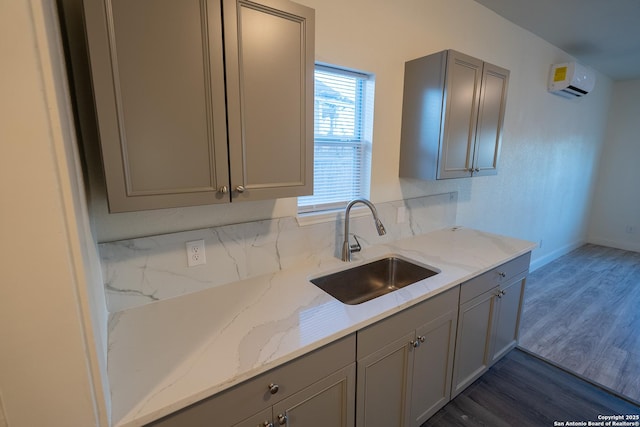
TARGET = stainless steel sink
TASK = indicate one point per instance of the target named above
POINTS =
(368, 281)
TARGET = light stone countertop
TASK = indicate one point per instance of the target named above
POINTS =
(169, 354)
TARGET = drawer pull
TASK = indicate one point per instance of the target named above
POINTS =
(502, 274)
(273, 388)
(282, 419)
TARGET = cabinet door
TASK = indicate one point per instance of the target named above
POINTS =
(508, 311)
(463, 79)
(261, 419)
(493, 98)
(269, 62)
(329, 402)
(158, 82)
(433, 367)
(475, 321)
(383, 385)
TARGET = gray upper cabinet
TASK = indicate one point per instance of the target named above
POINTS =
(269, 63)
(172, 132)
(452, 116)
(493, 99)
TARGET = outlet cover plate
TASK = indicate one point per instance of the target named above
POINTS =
(196, 253)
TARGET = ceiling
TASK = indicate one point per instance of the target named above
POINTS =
(603, 34)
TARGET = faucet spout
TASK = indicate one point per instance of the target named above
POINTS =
(347, 248)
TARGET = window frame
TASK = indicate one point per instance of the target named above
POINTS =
(361, 139)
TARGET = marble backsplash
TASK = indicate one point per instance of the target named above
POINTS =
(143, 270)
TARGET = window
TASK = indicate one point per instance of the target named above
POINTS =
(343, 118)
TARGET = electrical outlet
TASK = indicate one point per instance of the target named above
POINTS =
(195, 253)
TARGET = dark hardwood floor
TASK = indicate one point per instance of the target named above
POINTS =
(582, 312)
(523, 390)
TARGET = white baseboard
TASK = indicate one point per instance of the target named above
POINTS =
(546, 259)
(627, 246)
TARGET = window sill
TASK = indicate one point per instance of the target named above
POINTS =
(333, 215)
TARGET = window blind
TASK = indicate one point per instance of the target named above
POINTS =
(339, 146)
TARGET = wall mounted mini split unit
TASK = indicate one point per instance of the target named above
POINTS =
(571, 80)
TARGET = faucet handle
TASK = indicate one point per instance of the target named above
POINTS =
(356, 247)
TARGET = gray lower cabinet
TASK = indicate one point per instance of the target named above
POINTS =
(452, 116)
(328, 402)
(474, 334)
(432, 368)
(507, 325)
(192, 110)
(398, 372)
(405, 364)
(488, 320)
(315, 390)
(384, 381)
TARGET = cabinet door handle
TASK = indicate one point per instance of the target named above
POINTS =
(502, 274)
(476, 170)
(223, 190)
(422, 338)
(415, 344)
(273, 388)
(282, 419)
(240, 188)
(267, 424)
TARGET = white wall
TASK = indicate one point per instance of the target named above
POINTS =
(550, 149)
(52, 324)
(550, 146)
(616, 205)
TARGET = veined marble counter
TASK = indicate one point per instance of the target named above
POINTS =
(169, 354)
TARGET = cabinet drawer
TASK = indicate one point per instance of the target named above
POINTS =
(514, 267)
(372, 338)
(494, 277)
(252, 396)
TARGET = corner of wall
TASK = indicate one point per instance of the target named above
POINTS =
(85, 263)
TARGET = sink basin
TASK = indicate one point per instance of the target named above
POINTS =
(368, 281)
